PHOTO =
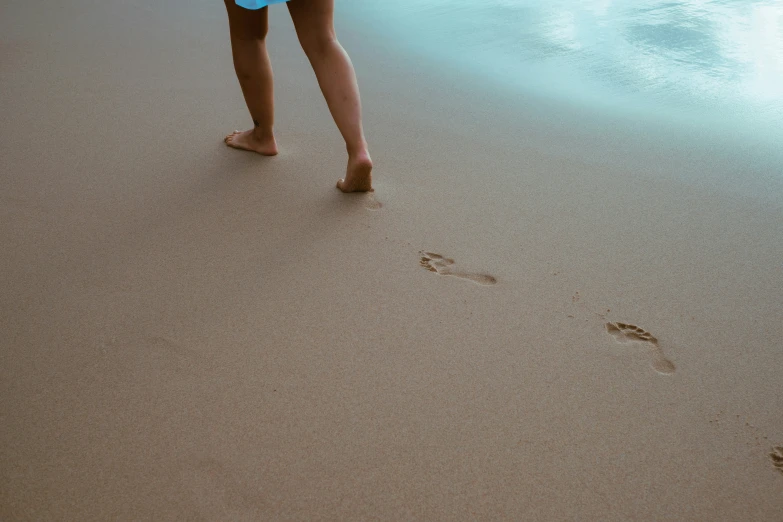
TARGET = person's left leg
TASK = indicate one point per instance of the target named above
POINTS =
(254, 71)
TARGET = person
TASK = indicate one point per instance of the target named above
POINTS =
(314, 24)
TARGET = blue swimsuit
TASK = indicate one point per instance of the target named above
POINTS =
(257, 4)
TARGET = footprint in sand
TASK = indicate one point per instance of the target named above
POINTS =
(370, 203)
(777, 458)
(444, 266)
(628, 333)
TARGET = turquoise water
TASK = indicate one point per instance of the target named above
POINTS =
(718, 60)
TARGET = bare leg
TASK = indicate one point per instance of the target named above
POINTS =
(313, 20)
(254, 71)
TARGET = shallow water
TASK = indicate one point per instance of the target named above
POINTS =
(683, 59)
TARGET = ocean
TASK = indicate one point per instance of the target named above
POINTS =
(716, 62)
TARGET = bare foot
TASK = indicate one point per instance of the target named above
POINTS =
(358, 175)
(249, 140)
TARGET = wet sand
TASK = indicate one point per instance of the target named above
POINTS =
(541, 313)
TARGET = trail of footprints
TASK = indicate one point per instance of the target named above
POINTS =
(622, 332)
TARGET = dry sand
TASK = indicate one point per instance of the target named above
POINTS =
(192, 332)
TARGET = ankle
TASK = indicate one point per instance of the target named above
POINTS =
(262, 134)
(360, 151)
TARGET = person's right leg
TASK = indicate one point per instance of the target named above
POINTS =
(254, 71)
(313, 20)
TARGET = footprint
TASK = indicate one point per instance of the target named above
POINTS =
(370, 203)
(627, 333)
(777, 458)
(444, 266)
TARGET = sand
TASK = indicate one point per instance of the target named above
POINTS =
(192, 332)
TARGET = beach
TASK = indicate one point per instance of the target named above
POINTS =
(545, 311)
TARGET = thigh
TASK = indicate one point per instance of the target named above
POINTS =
(312, 18)
(247, 24)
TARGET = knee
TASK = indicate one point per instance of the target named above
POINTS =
(245, 52)
(316, 45)
(250, 34)
(246, 56)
